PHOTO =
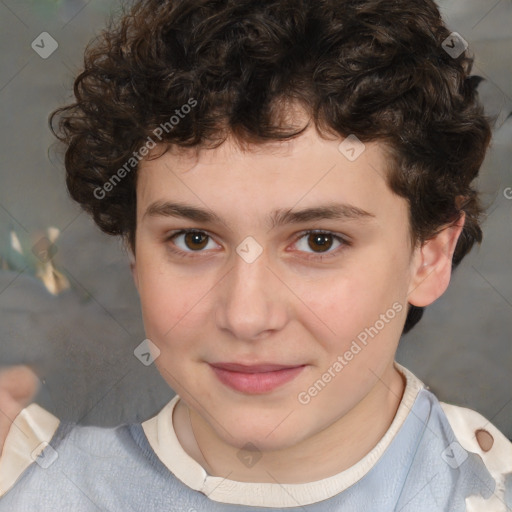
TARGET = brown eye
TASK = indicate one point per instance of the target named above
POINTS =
(321, 241)
(196, 240)
(314, 244)
(318, 244)
(188, 242)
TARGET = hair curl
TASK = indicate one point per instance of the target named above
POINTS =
(373, 68)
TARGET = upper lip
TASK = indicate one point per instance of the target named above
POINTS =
(254, 368)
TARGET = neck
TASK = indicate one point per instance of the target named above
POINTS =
(334, 449)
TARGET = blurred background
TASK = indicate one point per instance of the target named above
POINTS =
(68, 307)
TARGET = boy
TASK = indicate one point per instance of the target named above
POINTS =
(293, 179)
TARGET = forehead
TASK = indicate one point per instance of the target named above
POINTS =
(306, 171)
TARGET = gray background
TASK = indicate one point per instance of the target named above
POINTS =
(81, 341)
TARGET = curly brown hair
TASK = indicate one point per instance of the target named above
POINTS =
(373, 68)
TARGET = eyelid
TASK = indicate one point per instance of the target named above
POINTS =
(345, 242)
(186, 254)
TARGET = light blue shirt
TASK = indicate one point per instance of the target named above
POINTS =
(424, 469)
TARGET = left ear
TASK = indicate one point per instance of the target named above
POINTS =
(432, 265)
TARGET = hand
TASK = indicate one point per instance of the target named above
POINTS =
(18, 387)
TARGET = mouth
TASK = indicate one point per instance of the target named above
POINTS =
(254, 368)
(255, 379)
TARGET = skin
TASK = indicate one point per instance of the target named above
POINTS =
(282, 307)
(18, 386)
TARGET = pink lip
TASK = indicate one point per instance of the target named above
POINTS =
(254, 368)
(255, 379)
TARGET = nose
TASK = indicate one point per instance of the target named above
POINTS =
(251, 300)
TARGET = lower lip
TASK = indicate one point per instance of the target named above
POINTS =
(255, 383)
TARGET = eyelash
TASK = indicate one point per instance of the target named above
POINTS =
(318, 257)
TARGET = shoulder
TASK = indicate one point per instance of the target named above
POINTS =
(37, 438)
(29, 434)
(49, 464)
(475, 455)
(476, 434)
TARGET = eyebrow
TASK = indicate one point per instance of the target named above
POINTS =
(278, 217)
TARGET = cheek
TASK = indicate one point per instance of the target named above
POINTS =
(342, 306)
(161, 297)
(173, 303)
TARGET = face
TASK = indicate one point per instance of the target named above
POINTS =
(246, 289)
